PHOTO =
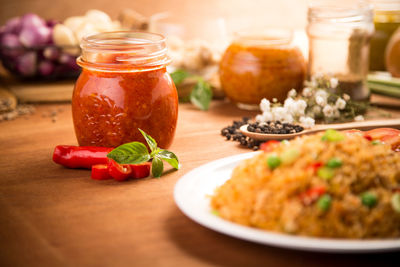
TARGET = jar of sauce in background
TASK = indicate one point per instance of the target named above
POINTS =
(124, 86)
(262, 64)
(386, 21)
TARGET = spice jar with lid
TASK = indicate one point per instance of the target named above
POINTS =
(386, 21)
(261, 65)
(124, 86)
(339, 38)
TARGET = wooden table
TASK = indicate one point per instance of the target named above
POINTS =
(53, 216)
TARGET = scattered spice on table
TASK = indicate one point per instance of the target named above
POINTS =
(20, 110)
(231, 132)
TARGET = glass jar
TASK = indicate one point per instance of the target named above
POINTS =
(339, 39)
(392, 54)
(386, 20)
(124, 86)
(261, 65)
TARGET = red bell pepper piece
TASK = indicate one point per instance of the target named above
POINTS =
(367, 136)
(314, 166)
(269, 145)
(119, 172)
(100, 172)
(312, 194)
(80, 156)
(140, 170)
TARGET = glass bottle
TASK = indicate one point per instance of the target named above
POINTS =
(386, 20)
(339, 39)
(124, 86)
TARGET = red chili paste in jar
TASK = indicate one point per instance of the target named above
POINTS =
(113, 98)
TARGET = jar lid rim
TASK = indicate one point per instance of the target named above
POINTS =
(359, 12)
(122, 39)
(270, 36)
(121, 49)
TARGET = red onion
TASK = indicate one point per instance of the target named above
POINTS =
(26, 64)
(13, 25)
(46, 68)
(35, 36)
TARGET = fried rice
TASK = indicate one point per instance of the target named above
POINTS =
(297, 188)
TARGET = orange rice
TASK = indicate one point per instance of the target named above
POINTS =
(273, 199)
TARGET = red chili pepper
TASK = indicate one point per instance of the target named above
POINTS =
(119, 172)
(140, 170)
(312, 194)
(80, 156)
(314, 166)
(269, 145)
(100, 172)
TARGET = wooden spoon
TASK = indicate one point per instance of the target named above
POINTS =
(362, 125)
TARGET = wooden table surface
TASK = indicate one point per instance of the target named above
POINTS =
(53, 216)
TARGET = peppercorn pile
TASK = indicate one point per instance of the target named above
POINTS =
(233, 133)
(274, 127)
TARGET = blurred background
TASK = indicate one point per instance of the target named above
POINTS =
(283, 13)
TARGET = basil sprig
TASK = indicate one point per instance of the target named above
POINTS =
(179, 76)
(136, 152)
(201, 94)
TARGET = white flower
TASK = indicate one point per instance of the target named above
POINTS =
(279, 113)
(321, 93)
(328, 111)
(340, 103)
(359, 118)
(321, 97)
(334, 82)
(274, 100)
(295, 107)
(346, 97)
(301, 106)
(292, 93)
(290, 105)
(320, 100)
(260, 118)
(266, 116)
(265, 105)
(307, 92)
(307, 122)
(288, 118)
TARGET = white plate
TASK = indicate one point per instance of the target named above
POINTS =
(192, 193)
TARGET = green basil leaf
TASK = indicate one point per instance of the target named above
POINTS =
(157, 167)
(179, 76)
(130, 153)
(150, 141)
(169, 157)
(201, 95)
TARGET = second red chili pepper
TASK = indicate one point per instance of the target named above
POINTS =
(80, 156)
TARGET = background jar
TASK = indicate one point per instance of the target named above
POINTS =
(386, 21)
(261, 65)
(339, 40)
(124, 86)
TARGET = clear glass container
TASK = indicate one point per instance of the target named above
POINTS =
(339, 38)
(124, 86)
(261, 64)
(386, 20)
